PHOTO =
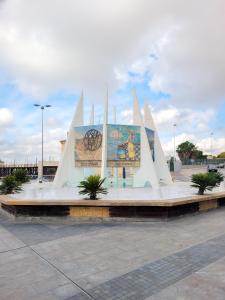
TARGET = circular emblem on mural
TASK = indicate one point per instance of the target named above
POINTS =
(92, 140)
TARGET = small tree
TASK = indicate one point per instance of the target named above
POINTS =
(185, 150)
(221, 155)
(206, 181)
(10, 185)
(198, 154)
(92, 186)
(21, 175)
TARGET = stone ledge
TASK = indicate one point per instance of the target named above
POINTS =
(9, 200)
(113, 208)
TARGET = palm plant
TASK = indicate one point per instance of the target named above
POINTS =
(206, 181)
(92, 186)
(10, 185)
(21, 175)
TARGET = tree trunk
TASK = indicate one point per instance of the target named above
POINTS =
(201, 191)
(93, 196)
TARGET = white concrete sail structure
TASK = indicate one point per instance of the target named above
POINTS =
(137, 117)
(90, 171)
(66, 173)
(152, 171)
(161, 166)
(104, 138)
(92, 115)
(146, 174)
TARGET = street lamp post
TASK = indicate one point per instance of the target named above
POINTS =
(211, 143)
(42, 107)
(174, 141)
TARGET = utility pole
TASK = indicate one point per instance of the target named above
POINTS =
(211, 143)
(174, 141)
(42, 107)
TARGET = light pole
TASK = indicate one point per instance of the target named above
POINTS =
(211, 143)
(174, 141)
(42, 107)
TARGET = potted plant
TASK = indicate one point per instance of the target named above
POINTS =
(10, 185)
(92, 186)
(206, 181)
(21, 175)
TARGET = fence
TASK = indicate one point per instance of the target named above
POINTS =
(215, 161)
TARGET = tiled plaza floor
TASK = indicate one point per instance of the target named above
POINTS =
(180, 259)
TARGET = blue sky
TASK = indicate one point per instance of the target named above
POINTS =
(160, 49)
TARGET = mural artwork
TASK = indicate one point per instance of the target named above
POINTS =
(88, 146)
(123, 145)
(150, 135)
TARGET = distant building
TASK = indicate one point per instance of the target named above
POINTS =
(34, 170)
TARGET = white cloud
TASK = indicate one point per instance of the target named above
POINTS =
(6, 117)
(126, 116)
(27, 148)
(218, 145)
(177, 46)
(167, 115)
(192, 125)
(46, 45)
(185, 118)
(191, 64)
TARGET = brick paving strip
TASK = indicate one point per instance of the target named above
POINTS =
(153, 277)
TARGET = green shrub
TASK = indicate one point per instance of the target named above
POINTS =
(206, 181)
(10, 185)
(21, 175)
(92, 186)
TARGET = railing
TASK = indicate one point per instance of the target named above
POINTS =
(215, 161)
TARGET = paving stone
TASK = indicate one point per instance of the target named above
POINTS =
(206, 284)
(24, 275)
(95, 257)
(98, 257)
(8, 241)
(32, 234)
(153, 277)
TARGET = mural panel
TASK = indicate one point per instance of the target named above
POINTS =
(151, 139)
(88, 146)
(123, 145)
